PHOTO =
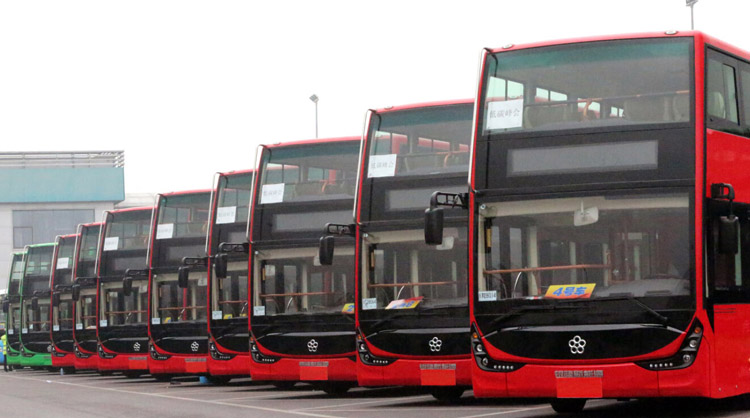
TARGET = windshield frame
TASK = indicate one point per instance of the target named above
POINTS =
(511, 306)
(483, 134)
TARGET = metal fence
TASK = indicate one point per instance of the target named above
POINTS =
(70, 159)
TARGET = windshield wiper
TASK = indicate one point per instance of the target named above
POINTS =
(662, 319)
(517, 310)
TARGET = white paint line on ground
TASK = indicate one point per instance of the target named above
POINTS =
(259, 408)
(366, 402)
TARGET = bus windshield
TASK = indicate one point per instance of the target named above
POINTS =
(587, 85)
(125, 242)
(405, 273)
(87, 252)
(16, 273)
(234, 198)
(423, 141)
(64, 264)
(309, 172)
(591, 247)
(290, 281)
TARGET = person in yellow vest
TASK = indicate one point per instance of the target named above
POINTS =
(4, 342)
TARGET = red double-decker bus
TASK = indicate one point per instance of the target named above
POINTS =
(412, 306)
(61, 314)
(609, 220)
(122, 288)
(83, 293)
(302, 323)
(228, 309)
(178, 341)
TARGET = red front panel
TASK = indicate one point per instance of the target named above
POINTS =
(66, 361)
(91, 363)
(238, 366)
(626, 380)
(124, 362)
(296, 369)
(178, 365)
(405, 372)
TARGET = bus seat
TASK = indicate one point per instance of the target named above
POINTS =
(681, 107)
(716, 105)
(647, 109)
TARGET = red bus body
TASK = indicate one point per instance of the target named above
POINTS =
(63, 355)
(429, 146)
(121, 348)
(228, 337)
(84, 276)
(309, 347)
(177, 347)
(706, 349)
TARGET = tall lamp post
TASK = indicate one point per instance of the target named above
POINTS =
(690, 4)
(314, 99)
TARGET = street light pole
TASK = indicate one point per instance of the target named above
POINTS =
(690, 4)
(314, 99)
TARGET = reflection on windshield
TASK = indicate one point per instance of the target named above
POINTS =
(292, 281)
(63, 316)
(405, 273)
(37, 319)
(174, 304)
(86, 312)
(586, 248)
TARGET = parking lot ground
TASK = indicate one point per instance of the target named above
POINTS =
(28, 393)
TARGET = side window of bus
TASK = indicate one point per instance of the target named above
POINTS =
(721, 94)
(730, 273)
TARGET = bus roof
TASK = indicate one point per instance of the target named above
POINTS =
(643, 35)
(184, 192)
(66, 236)
(140, 208)
(89, 224)
(314, 141)
(46, 244)
(425, 104)
(235, 172)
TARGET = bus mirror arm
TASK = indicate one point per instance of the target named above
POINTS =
(434, 215)
(728, 225)
(327, 242)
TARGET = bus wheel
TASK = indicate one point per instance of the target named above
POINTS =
(335, 388)
(568, 406)
(284, 384)
(132, 374)
(218, 380)
(103, 373)
(447, 393)
(68, 370)
(162, 377)
(53, 369)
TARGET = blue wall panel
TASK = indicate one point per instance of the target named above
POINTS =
(62, 185)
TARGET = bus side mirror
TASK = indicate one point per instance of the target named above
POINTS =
(55, 299)
(325, 250)
(6, 306)
(433, 226)
(34, 303)
(729, 227)
(220, 265)
(75, 293)
(127, 286)
(183, 274)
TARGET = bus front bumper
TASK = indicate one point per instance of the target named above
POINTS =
(407, 372)
(337, 369)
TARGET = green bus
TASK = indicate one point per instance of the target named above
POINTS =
(35, 305)
(12, 309)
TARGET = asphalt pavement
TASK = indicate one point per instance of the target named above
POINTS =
(31, 393)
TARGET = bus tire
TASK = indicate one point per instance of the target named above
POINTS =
(218, 380)
(447, 393)
(568, 406)
(162, 377)
(335, 388)
(132, 374)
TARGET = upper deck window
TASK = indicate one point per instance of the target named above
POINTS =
(234, 198)
(318, 171)
(183, 216)
(588, 85)
(430, 140)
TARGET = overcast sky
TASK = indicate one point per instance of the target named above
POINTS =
(188, 88)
